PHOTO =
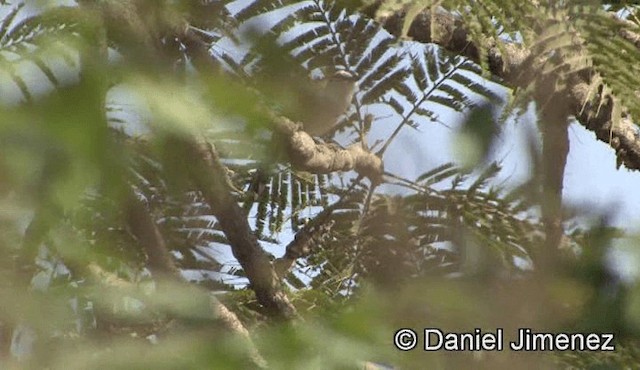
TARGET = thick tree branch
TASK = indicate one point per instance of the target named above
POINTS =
(511, 66)
(138, 28)
(307, 155)
(163, 268)
(623, 136)
(205, 169)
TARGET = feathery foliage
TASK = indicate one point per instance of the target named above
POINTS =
(103, 208)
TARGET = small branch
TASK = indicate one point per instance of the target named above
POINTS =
(305, 241)
(99, 275)
(311, 235)
(159, 260)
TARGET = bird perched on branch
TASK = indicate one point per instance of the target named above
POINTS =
(322, 102)
(316, 103)
(288, 88)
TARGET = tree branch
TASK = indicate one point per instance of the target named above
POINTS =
(163, 267)
(511, 67)
(305, 240)
(210, 177)
(307, 155)
(159, 260)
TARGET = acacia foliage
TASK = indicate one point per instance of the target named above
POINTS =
(450, 249)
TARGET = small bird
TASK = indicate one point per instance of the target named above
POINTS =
(316, 103)
(324, 101)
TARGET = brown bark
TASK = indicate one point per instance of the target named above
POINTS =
(210, 177)
(308, 155)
